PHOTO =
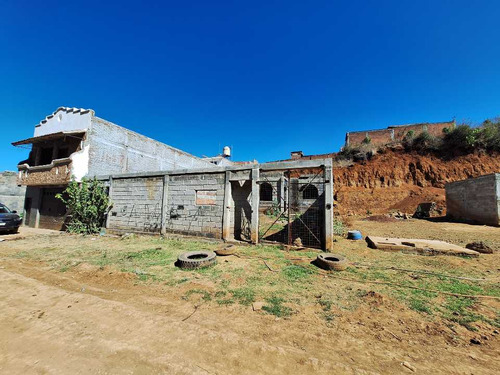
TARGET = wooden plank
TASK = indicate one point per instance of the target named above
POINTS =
(418, 246)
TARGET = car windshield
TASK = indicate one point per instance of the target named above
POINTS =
(4, 209)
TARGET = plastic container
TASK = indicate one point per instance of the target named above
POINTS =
(354, 235)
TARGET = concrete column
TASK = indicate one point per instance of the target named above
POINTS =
(226, 214)
(281, 198)
(110, 195)
(37, 200)
(164, 205)
(255, 206)
(328, 209)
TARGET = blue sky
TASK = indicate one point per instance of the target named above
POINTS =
(264, 77)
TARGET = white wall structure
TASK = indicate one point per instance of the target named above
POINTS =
(114, 149)
(65, 120)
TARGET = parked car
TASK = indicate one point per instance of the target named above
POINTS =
(10, 221)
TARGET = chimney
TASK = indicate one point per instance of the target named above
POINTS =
(296, 155)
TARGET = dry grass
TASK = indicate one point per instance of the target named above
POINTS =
(293, 283)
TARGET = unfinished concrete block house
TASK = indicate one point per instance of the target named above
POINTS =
(75, 143)
(225, 202)
(475, 200)
(155, 188)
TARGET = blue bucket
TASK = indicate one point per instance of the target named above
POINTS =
(354, 235)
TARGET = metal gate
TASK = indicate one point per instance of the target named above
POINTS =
(297, 216)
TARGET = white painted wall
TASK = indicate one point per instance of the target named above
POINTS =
(80, 163)
(63, 120)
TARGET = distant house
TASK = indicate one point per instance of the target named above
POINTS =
(11, 194)
(395, 133)
(75, 143)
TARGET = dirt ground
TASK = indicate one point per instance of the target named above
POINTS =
(101, 314)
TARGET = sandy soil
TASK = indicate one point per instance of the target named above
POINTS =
(100, 321)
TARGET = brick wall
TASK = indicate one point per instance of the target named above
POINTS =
(475, 200)
(396, 133)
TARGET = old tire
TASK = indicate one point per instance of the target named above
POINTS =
(329, 261)
(228, 250)
(196, 259)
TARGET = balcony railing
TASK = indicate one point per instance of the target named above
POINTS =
(56, 173)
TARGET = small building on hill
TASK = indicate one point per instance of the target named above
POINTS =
(475, 200)
(396, 133)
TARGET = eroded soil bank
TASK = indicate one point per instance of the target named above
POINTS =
(395, 180)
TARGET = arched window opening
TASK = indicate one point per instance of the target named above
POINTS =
(266, 192)
(310, 192)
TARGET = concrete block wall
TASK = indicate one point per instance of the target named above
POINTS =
(187, 216)
(10, 194)
(475, 200)
(137, 204)
(215, 203)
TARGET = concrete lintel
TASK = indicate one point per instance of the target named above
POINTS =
(282, 165)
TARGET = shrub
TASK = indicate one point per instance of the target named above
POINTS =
(347, 152)
(463, 138)
(87, 203)
(425, 142)
(367, 140)
(490, 135)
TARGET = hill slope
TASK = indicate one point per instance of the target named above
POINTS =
(396, 180)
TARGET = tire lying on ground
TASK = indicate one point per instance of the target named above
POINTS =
(196, 259)
(228, 250)
(329, 261)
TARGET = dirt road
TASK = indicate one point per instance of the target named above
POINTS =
(92, 317)
(60, 323)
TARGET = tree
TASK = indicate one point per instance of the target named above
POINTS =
(87, 203)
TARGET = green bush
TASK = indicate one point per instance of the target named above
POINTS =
(490, 135)
(463, 138)
(87, 203)
(348, 152)
(425, 142)
(410, 135)
(367, 140)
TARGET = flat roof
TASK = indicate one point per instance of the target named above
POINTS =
(49, 137)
